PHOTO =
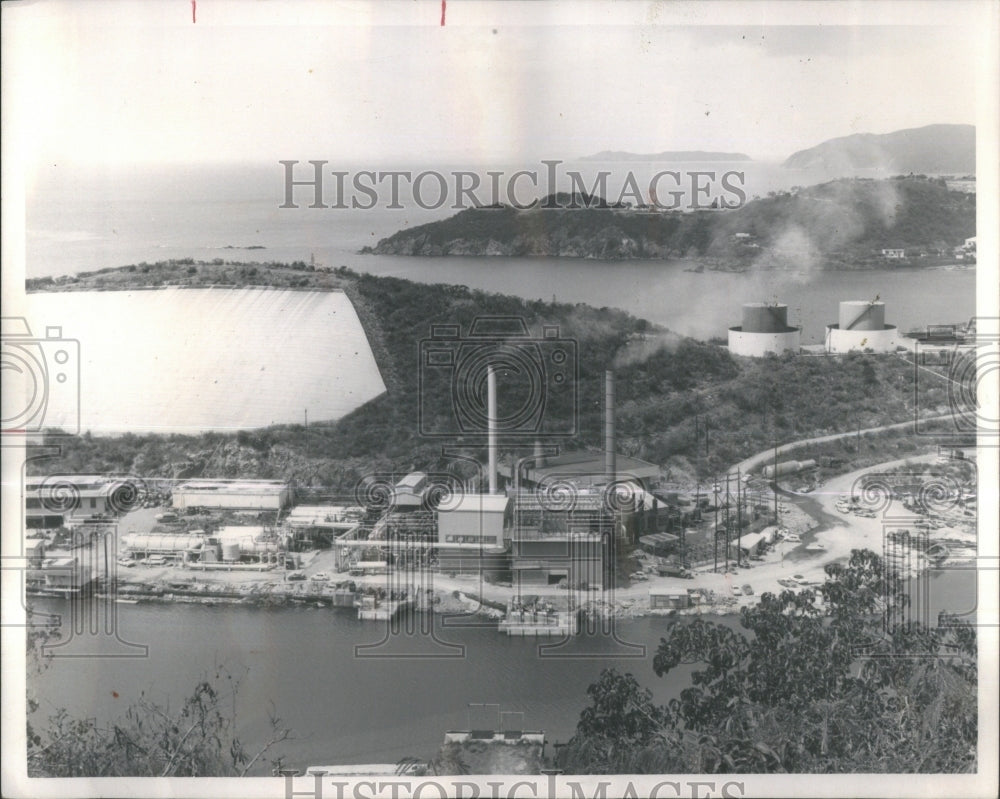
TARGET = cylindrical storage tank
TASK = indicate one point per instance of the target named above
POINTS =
(760, 317)
(787, 467)
(862, 315)
(230, 552)
(153, 542)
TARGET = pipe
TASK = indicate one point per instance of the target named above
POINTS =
(491, 410)
(610, 467)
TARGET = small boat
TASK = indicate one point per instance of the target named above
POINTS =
(127, 601)
(815, 547)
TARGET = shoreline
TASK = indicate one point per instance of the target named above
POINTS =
(813, 517)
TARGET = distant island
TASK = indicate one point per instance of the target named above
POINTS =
(931, 150)
(852, 223)
(666, 155)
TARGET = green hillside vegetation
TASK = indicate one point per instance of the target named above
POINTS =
(840, 224)
(666, 400)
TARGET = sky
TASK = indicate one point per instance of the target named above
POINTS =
(139, 82)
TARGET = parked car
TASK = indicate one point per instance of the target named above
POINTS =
(793, 538)
(788, 583)
(128, 563)
(748, 590)
(293, 576)
(737, 591)
(320, 577)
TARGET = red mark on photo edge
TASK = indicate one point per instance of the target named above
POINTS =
(444, 6)
(194, 10)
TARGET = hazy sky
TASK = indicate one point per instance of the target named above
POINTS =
(138, 82)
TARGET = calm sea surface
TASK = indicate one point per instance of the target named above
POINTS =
(351, 709)
(85, 220)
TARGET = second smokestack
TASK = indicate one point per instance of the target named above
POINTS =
(610, 466)
(491, 412)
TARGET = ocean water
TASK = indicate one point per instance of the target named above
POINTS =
(348, 708)
(88, 218)
(169, 361)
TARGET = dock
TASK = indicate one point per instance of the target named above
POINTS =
(383, 611)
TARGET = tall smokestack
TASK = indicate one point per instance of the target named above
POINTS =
(491, 411)
(610, 467)
(539, 455)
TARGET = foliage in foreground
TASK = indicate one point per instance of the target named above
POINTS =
(805, 687)
(199, 739)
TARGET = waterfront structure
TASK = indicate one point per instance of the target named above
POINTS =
(764, 331)
(232, 495)
(861, 326)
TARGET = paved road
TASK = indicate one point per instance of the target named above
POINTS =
(767, 456)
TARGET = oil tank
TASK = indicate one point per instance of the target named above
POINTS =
(230, 552)
(862, 315)
(761, 317)
(789, 467)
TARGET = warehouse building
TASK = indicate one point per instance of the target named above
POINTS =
(232, 495)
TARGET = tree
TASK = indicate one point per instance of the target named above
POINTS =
(815, 682)
(621, 728)
(199, 739)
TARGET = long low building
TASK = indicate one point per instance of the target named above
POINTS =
(232, 494)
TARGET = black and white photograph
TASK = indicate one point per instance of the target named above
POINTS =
(500, 399)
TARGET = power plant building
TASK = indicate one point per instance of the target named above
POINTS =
(765, 331)
(861, 326)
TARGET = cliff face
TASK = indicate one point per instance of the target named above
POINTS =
(934, 149)
(841, 224)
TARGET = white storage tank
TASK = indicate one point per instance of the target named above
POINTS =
(861, 326)
(765, 331)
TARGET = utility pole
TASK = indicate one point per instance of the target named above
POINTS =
(726, 550)
(775, 487)
(739, 517)
(715, 527)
